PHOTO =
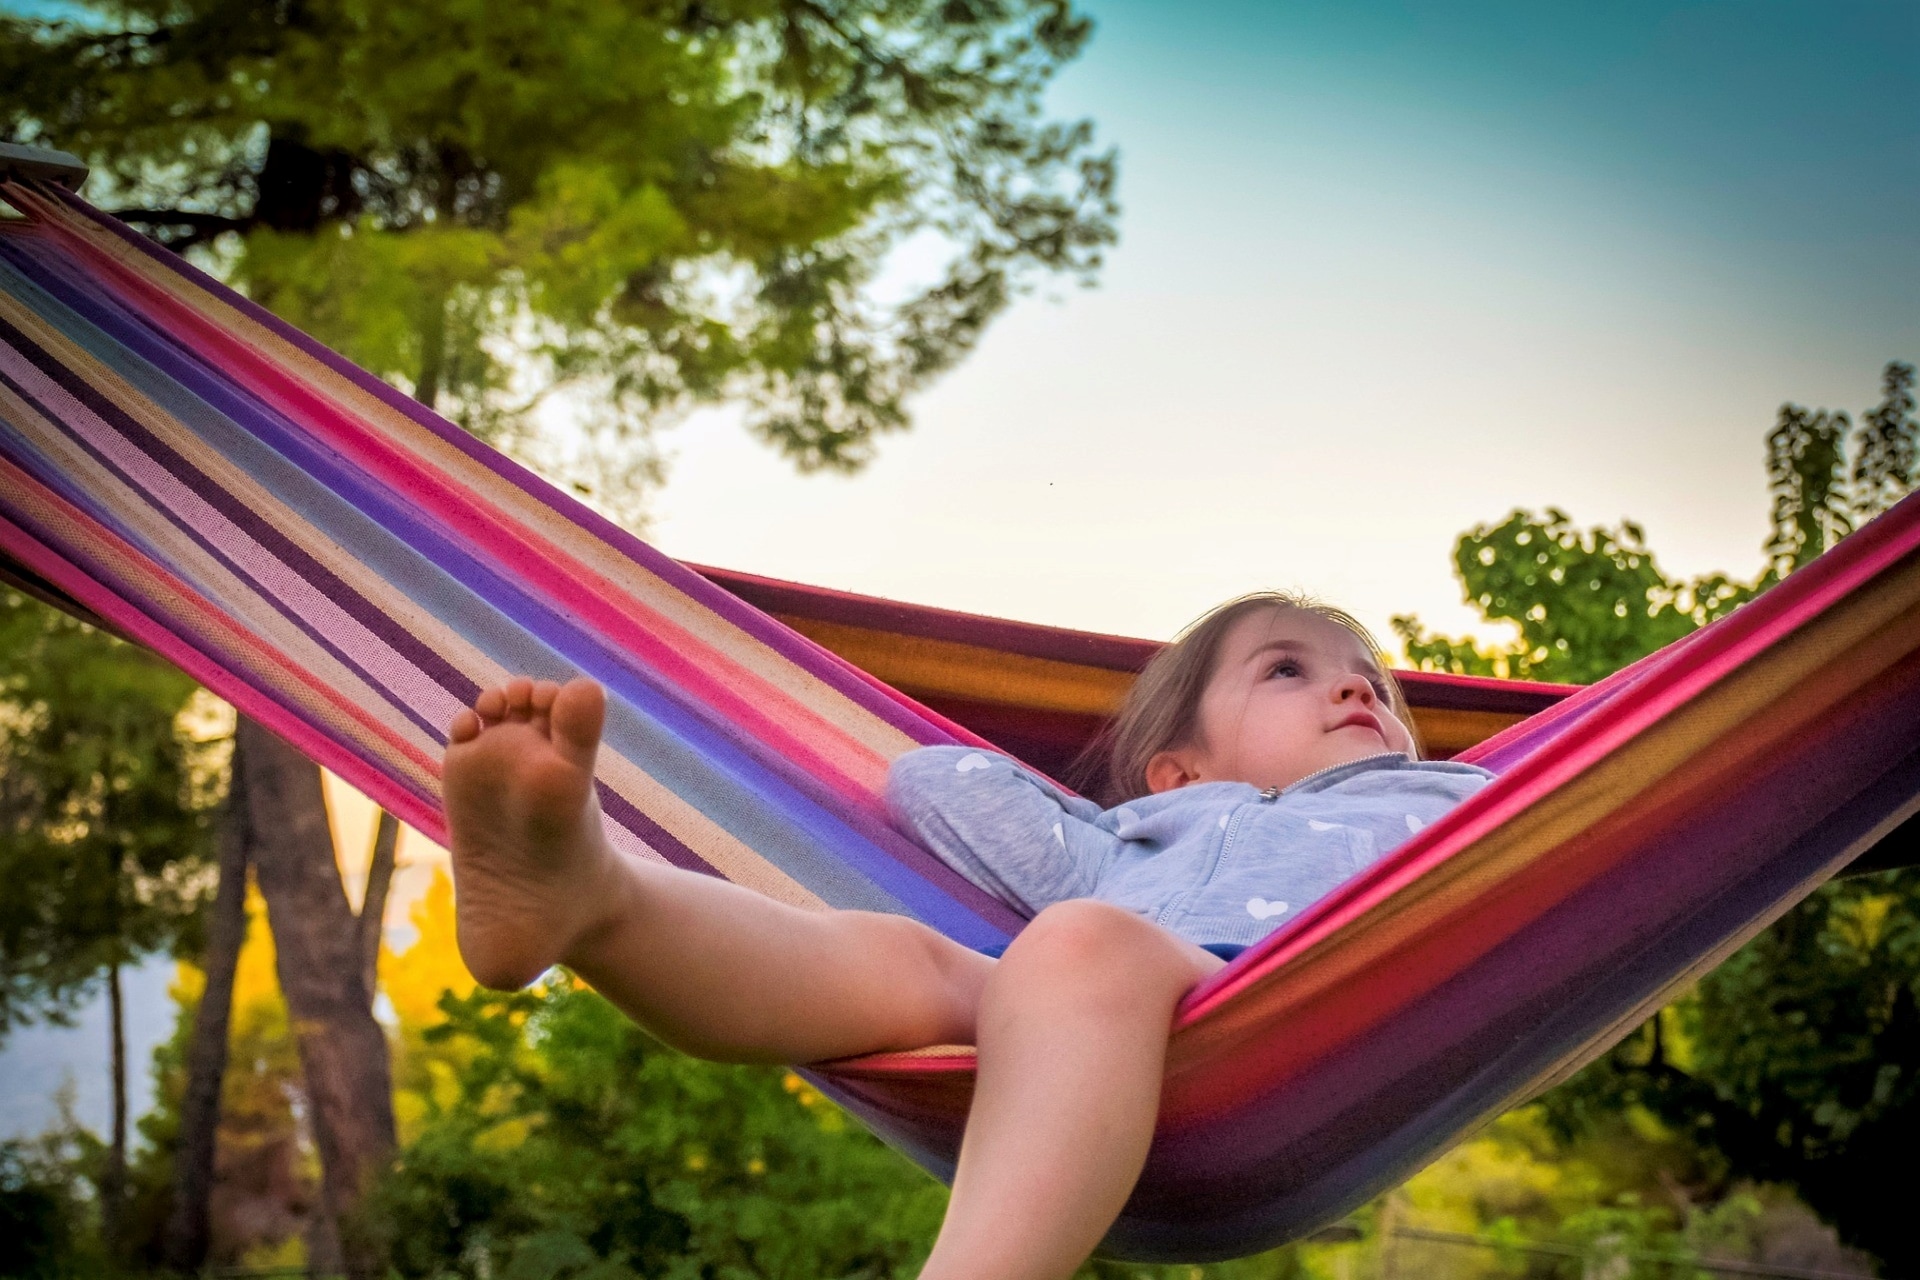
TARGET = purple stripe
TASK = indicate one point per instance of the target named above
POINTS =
(404, 643)
(242, 517)
(225, 679)
(622, 811)
(781, 639)
(886, 863)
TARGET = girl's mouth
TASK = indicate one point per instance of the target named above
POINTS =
(1362, 720)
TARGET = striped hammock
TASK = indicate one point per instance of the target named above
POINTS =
(349, 569)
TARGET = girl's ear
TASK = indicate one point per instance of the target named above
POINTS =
(1170, 770)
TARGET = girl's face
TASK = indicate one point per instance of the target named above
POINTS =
(1291, 694)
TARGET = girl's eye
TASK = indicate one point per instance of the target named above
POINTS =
(1381, 691)
(1287, 668)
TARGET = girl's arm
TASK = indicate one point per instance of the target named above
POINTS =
(1009, 831)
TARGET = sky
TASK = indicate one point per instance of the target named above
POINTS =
(1385, 271)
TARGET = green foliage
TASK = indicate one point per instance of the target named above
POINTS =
(44, 1224)
(574, 1146)
(652, 205)
(1523, 1199)
(105, 799)
(1806, 469)
(1885, 467)
(1814, 506)
(1585, 602)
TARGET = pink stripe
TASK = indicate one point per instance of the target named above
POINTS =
(682, 661)
(144, 628)
(393, 672)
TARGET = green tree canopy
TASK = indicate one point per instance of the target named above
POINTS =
(654, 205)
(1585, 602)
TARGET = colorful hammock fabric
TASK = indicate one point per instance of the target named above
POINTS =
(349, 569)
(1045, 693)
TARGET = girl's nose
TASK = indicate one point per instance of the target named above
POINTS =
(1349, 687)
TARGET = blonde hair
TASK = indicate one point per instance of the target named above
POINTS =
(1162, 709)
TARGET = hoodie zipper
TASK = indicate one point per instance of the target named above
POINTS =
(1274, 793)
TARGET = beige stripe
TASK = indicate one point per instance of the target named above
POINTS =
(449, 643)
(289, 693)
(220, 587)
(876, 742)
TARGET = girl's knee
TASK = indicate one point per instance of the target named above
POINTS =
(1098, 945)
(1087, 927)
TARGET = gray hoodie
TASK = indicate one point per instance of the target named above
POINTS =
(1215, 862)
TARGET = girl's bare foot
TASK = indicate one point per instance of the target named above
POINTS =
(533, 872)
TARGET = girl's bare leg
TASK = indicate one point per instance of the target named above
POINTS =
(1071, 1024)
(710, 968)
(1072, 1041)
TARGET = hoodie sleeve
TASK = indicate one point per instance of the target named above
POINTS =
(1009, 831)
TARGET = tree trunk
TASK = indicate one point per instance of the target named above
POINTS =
(343, 1052)
(433, 352)
(189, 1223)
(373, 903)
(113, 1182)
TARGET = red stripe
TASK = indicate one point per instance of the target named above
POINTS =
(681, 660)
(419, 812)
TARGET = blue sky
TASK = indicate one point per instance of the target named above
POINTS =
(1388, 270)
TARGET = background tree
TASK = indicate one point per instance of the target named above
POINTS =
(1806, 469)
(1885, 466)
(1585, 602)
(105, 796)
(193, 1143)
(654, 205)
(343, 1051)
(1798, 1060)
(265, 1203)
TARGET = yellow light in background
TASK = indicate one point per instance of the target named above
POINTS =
(353, 817)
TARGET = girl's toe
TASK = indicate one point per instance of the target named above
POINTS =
(491, 706)
(544, 692)
(465, 728)
(519, 693)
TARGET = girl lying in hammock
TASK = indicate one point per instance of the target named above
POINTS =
(1260, 760)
